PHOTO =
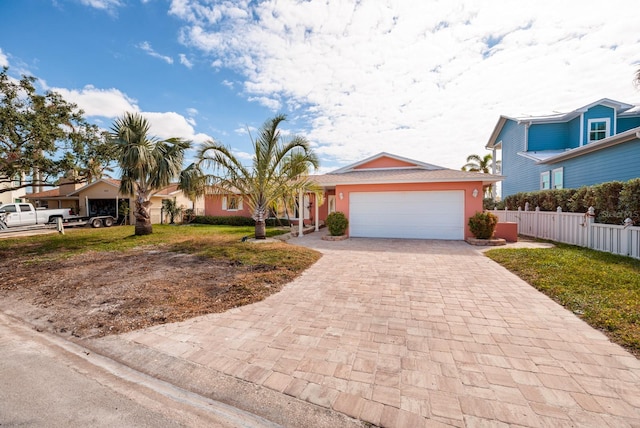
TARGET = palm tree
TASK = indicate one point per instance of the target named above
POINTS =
(475, 163)
(280, 167)
(147, 164)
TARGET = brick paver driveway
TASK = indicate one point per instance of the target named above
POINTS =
(404, 333)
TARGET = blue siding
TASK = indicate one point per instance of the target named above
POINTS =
(574, 133)
(596, 112)
(548, 136)
(520, 172)
(620, 162)
(627, 123)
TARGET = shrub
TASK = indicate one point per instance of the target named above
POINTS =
(273, 222)
(489, 204)
(337, 223)
(225, 220)
(630, 200)
(482, 225)
(606, 197)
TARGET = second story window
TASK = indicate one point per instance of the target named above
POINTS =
(598, 129)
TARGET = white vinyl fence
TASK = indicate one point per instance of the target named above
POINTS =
(575, 229)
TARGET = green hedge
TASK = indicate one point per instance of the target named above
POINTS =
(613, 201)
(238, 221)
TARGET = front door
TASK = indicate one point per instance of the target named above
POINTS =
(331, 199)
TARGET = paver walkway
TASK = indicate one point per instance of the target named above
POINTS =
(404, 333)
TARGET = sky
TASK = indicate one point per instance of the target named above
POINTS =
(423, 79)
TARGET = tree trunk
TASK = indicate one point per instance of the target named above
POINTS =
(143, 218)
(260, 230)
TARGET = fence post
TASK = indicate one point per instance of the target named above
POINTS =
(537, 217)
(590, 219)
(627, 242)
(558, 224)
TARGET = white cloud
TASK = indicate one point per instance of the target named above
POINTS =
(146, 46)
(4, 61)
(107, 5)
(192, 112)
(109, 103)
(267, 102)
(185, 61)
(243, 155)
(171, 124)
(423, 79)
(245, 130)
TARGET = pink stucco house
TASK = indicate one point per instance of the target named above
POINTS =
(388, 196)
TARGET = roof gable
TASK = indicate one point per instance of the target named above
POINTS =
(386, 161)
(109, 181)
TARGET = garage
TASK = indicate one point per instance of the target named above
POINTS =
(407, 214)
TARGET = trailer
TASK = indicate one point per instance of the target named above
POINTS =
(94, 221)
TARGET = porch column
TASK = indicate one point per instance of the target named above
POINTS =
(317, 213)
(300, 212)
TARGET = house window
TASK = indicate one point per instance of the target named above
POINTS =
(598, 129)
(545, 180)
(557, 178)
(232, 203)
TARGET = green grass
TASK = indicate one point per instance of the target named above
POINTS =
(602, 288)
(219, 242)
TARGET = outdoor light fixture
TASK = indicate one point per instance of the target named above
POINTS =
(475, 193)
(341, 196)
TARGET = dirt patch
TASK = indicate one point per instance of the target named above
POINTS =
(97, 294)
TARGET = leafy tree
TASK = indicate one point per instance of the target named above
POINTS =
(148, 164)
(475, 163)
(42, 137)
(279, 167)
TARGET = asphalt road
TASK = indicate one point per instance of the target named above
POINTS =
(46, 381)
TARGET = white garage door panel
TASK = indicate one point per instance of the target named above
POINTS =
(413, 215)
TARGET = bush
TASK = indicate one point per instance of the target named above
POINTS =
(606, 197)
(225, 220)
(273, 222)
(482, 225)
(630, 200)
(489, 204)
(337, 223)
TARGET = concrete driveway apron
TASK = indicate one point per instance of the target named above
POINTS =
(403, 333)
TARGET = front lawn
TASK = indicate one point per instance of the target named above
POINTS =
(601, 288)
(95, 282)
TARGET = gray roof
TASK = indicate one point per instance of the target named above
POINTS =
(403, 175)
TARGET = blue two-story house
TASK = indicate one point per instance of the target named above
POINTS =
(593, 144)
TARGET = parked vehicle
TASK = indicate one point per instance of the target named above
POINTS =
(24, 214)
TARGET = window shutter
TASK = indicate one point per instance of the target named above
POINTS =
(239, 203)
(224, 203)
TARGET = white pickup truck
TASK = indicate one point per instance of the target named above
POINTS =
(24, 214)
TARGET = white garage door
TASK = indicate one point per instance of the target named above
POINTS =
(412, 215)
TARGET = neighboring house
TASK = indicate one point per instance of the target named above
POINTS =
(593, 144)
(102, 197)
(12, 195)
(388, 196)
